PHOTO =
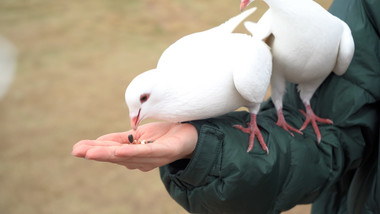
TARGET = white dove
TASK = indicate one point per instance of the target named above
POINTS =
(203, 75)
(308, 44)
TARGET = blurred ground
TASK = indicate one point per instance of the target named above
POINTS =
(75, 59)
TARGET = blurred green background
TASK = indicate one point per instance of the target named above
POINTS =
(75, 60)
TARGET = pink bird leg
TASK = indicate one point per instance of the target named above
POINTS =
(313, 119)
(253, 130)
(283, 124)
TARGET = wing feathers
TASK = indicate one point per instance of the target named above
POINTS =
(345, 52)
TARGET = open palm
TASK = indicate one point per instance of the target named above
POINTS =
(172, 141)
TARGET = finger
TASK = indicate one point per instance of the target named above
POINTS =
(80, 150)
(82, 142)
(105, 154)
(152, 150)
(121, 137)
(145, 162)
(100, 153)
(141, 167)
(97, 143)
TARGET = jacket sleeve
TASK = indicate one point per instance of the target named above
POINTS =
(357, 190)
(223, 178)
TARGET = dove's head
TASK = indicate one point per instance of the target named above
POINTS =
(244, 4)
(138, 97)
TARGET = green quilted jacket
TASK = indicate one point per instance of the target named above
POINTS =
(339, 175)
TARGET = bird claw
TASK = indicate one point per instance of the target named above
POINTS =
(288, 128)
(281, 122)
(253, 132)
(241, 128)
(313, 119)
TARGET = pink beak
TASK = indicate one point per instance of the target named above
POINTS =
(135, 121)
(243, 4)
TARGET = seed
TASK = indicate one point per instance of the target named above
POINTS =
(130, 138)
(143, 142)
(149, 141)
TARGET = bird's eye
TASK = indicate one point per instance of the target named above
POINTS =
(144, 98)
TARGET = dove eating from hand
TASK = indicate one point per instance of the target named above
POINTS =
(204, 75)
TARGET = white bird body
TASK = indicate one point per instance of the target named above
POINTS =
(206, 80)
(200, 84)
(308, 44)
(203, 75)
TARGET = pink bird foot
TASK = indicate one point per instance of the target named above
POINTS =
(313, 119)
(253, 130)
(283, 124)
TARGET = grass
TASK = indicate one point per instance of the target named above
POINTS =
(75, 59)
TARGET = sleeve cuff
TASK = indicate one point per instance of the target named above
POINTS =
(194, 172)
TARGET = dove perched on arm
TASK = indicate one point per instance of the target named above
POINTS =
(203, 75)
(309, 43)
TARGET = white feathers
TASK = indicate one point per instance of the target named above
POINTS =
(204, 75)
(345, 52)
(309, 43)
(213, 72)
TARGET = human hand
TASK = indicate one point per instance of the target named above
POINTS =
(172, 141)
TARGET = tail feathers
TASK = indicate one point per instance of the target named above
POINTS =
(261, 29)
(233, 22)
(345, 52)
(256, 30)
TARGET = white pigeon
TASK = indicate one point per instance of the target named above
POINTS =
(204, 75)
(308, 43)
